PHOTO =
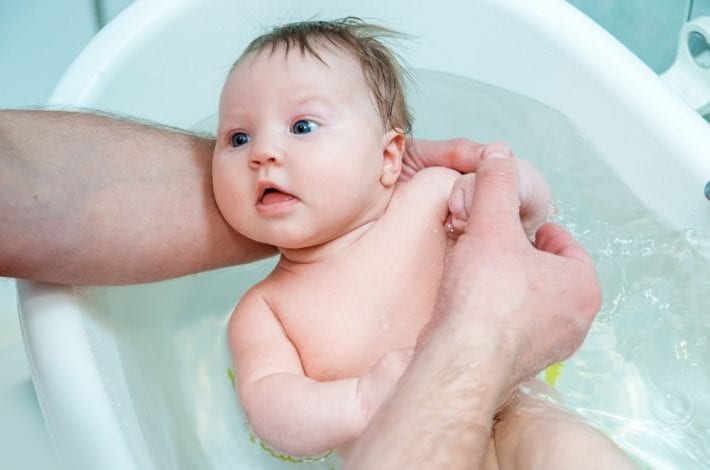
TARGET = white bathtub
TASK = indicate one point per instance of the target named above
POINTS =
(136, 377)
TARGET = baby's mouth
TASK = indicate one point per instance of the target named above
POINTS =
(274, 196)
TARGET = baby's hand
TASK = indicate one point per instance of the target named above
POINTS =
(535, 200)
(536, 204)
(376, 385)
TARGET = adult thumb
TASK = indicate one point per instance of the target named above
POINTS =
(496, 203)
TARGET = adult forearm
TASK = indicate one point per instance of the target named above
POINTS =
(91, 199)
(441, 413)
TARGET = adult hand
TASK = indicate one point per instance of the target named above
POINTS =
(535, 199)
(542, 298)
(459, 154)
(505, 310)
(464, 155)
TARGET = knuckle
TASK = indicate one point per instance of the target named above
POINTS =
(461, 146)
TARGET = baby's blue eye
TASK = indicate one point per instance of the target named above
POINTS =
(304, 126)
(239, 139)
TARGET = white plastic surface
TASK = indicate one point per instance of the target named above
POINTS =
(68, 347)
(165, 61)
(689, 76)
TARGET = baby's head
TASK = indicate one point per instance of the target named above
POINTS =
(365, 42)
(312, 130)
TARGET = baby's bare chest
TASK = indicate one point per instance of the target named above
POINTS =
(342, 316)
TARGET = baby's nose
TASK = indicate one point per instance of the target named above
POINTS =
(265, 155)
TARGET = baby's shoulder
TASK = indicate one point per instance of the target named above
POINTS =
(422, 199)
(433, 183)
(435, 174)
(258, 296)
(254, 298)
(253, 307)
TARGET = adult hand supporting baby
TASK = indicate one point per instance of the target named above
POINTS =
(506, 309)
(535, 200)
(460, 154)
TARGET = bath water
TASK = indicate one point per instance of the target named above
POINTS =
(642, 376)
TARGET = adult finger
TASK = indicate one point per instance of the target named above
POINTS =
(556, 240)
(460, 154)
(495, 199)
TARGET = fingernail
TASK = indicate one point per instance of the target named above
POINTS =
(494, 156)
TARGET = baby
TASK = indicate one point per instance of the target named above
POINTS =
(312, 131)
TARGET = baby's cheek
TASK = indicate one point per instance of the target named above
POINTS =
(228, 198)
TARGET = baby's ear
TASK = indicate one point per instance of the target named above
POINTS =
(392, 153)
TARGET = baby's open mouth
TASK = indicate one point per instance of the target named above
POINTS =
(274, 195)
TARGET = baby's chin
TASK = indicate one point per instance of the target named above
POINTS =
(291, 245)
(305, 250)
(285, 243)
(290, 239)
(276, 238)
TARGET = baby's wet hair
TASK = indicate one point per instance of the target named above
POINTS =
(382, 69)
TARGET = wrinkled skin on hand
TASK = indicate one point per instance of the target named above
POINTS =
(543, 296)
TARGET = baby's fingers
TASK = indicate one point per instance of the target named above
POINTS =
(461, 197)
(459, 203)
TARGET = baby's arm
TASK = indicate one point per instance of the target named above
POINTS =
(535, 199)
(288, 410)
